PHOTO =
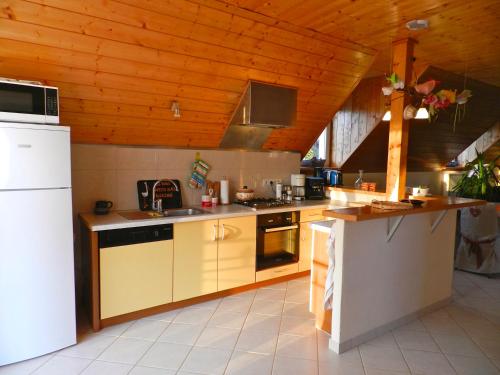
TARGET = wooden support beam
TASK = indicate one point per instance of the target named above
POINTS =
(399, 128)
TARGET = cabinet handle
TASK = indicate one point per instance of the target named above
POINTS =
(223, 232)
(214, 236)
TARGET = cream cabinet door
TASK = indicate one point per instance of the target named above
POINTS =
(135, 277)
(195, 259)
(305, 247)
(237, 251)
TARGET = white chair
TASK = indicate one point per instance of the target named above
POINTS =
(479, 249)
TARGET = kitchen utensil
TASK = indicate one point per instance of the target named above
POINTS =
(244, 194)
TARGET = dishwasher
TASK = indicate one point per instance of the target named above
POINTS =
(135, 268)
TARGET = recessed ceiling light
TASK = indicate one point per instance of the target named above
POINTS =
(417, 24)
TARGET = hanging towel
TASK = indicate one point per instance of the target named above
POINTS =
(328, 299)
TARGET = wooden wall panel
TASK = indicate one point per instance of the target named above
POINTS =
(431, 145)
(119, 64)
(356, 119)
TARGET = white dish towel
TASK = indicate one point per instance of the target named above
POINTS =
(328, 299)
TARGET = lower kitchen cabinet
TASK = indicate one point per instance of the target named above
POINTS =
(135, 277)
(195, 259)
(237, 252)
(305, 247)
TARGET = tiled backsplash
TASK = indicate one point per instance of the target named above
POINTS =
(106, 172)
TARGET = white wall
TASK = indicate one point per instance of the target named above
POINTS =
(110, 172)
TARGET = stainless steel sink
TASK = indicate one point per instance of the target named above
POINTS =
(175, 212)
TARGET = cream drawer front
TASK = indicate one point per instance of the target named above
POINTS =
(274, 272)
(315, 214)
(135, 277)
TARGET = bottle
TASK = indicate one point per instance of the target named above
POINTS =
(279, 190)
(359, 181)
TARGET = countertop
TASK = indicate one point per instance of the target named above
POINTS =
(114, 220)
(369, 213)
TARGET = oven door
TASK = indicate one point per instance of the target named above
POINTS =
(277, 246)
(27, 103)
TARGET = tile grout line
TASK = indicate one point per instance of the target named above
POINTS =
(279, 329)
(154, 342)
(239, 334)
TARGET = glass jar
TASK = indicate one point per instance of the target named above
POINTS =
(359, 180)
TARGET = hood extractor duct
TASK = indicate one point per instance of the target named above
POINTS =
(262, 108)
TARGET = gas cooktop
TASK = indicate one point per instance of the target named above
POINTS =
(261, 203)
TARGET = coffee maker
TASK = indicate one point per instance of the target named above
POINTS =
(315, 188)
(298, 186)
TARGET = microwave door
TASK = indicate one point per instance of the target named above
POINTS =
(21, 103)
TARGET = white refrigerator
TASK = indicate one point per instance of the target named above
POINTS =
(37, 290)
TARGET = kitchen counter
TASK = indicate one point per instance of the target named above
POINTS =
(370, 213)
(114, 220)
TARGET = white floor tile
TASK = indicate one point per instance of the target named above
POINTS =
(385, 340)
(341, 368)
(59, 365)
(297, 326)
(107, 368)
(146, 329)
(207, 361)
(142, 370)
(382, 358)
(257, 341)
(472, 366)
(373, 371)
(168, 316)
(165, 355)
(243, 363)
(294, 366)
(263, 322)
(459, 345)
(125, 350)
(89, 346)
(219, 338)
(186, 334)
(227, 319)
(235, 305)
(194, 316)
(427, 363)
(297, 347)
(491, 347)
(415, 325)
(267, 307)
(326, 355)
(271, 294)
(416, 340)
(297, 309)
(24, 367)
(115, 330)
(208, 305)
(279, 286)
(299, 296)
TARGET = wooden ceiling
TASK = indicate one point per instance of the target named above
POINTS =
(432, 145)
(119, 65)
(464, 35)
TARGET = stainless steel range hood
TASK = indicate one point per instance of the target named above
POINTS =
(262, 108)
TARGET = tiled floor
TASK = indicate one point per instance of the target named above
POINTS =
(271, 331)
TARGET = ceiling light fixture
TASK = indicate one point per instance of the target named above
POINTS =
(176, 109)
(387, 116)
(422, 114)
(417, 25)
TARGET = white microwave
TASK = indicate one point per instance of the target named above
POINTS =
(27, 101)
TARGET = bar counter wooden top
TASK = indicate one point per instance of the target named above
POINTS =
(370, 213)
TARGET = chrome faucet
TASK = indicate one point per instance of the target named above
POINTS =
(156, 204)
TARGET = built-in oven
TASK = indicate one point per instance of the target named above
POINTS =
(26, 101)
(277, 239)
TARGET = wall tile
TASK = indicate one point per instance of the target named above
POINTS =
(93, 157)
(136, 158)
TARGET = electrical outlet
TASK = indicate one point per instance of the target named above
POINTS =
(270, 181)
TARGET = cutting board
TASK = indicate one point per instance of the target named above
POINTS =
(165, 191)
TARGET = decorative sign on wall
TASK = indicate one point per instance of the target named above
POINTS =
(165, 190)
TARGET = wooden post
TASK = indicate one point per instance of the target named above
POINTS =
(399, 128)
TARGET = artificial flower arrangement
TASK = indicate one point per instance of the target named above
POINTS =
(423, 93)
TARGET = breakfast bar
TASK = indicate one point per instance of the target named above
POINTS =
(390, 267)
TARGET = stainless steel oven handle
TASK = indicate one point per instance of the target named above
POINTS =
(279, 229)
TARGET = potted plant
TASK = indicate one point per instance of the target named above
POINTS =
(480, 180)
